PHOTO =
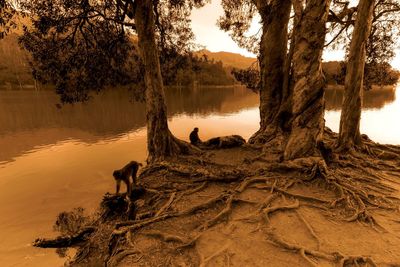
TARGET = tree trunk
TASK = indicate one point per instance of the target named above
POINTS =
(308, 83)
(160, 142)
(273, 51)
(349, 132)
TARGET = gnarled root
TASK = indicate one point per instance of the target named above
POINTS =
(305, 252)
(166, 237)
(64, 241)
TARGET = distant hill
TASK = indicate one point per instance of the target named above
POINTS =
(229, 59)
(15, 72)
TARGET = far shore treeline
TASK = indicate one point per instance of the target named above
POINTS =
(199, 68)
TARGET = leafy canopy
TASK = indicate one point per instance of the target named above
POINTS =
(85, 46)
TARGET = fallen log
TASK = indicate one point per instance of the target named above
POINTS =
(64, 241)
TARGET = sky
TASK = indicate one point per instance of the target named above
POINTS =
(208, 34)
(204, 25)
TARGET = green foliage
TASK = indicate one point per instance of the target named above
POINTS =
(248, 77)
(7, 12)
(177, 68)
(237, 19)
(230, 60)
(14, 69)
(384, 31)
(374, 74)
(75, 48)
(334, 72)
(188, 69)
(71, 222)
(380, 74)
(84, 46)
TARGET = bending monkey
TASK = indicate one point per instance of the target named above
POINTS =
(129, 170)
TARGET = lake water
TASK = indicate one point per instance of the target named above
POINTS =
(53, 159)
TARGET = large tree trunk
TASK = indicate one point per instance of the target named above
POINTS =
(273, 51)
(308, 82)
(349, 132)
(160, 142)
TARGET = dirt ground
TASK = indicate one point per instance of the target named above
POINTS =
(231, 207)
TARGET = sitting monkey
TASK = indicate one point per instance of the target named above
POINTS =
(194, 137)
(130, 170)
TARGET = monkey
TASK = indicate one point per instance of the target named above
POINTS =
(194, 137)
(129, 170)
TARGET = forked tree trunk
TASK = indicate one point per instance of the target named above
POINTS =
(273, 51)
(160, 142)
(308, 83)
(349, 132)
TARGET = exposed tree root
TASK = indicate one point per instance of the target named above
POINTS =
(165, 236)
(303, 254)
(166, 206)
(267, 202)
(296, 196)
(336, 257)
(309, 228)
(224, 213)
(250, 181)
(355, 184)
(190, 243)
(196, 174)
(64, 241)
(276, 240)
(118, 257)
(353, 197)
(267, 211)
(204, 205)
(133, 225)
(356, 260)
(204, 262)
(196, 189)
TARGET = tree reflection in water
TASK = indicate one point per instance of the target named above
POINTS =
(30, 118)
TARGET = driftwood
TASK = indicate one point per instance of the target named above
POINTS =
(64, 241)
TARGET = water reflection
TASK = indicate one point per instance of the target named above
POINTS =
(53, 160)
(30, 119)
(373, 99)
(111, 112)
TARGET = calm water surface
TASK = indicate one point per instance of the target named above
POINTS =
(53, 160)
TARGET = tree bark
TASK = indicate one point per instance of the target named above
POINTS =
(307, 124)
(160, 142)
(273, 53)
(349, 131)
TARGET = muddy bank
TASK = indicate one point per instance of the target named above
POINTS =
(231, 207)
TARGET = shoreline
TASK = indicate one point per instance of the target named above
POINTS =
(195, 214)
